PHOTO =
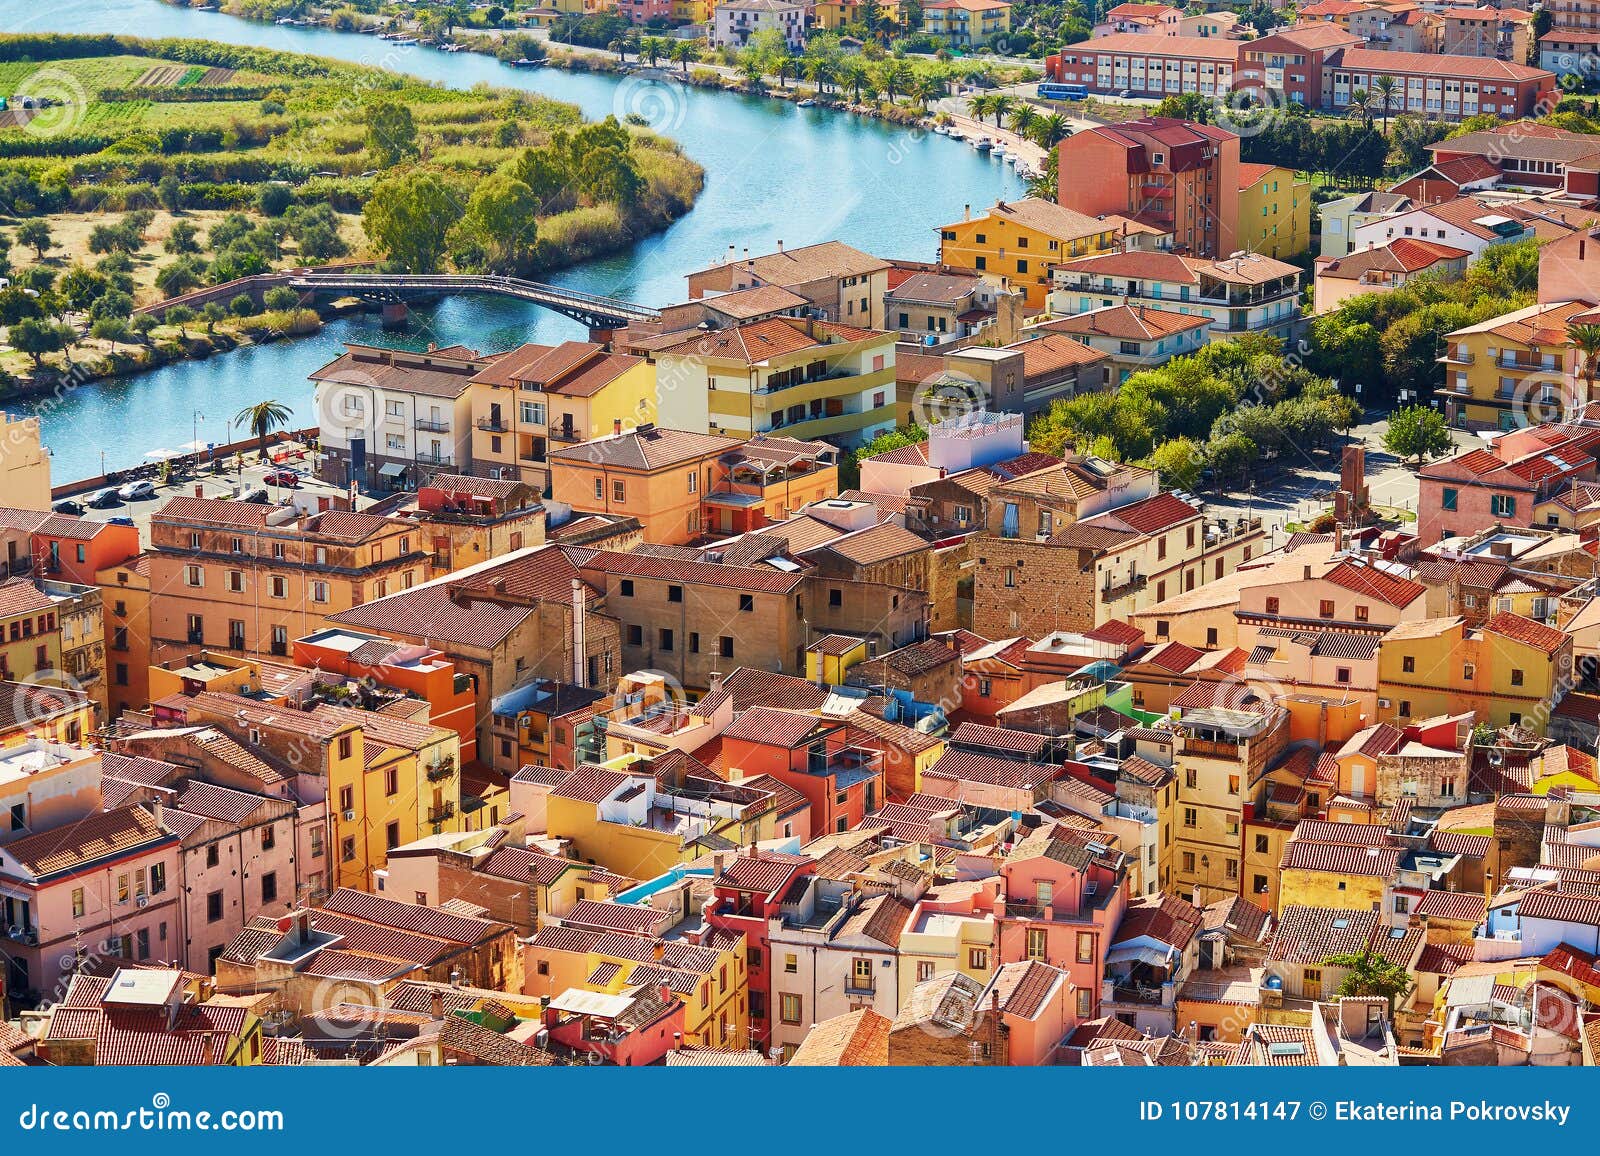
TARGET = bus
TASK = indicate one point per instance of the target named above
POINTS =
(1049, 90)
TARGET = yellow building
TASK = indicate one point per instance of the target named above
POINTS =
(966, 22)
(790, 376)
(1503, 672)
(1018, 241)
(1319, 874)
(537, 396)
(1497, 370)
(389, 780)
(830, 657)
(950, 934)
(835, 14)
(25, 465)
(693, 11)
(630, 825)
(1218, 755)
(1274, 211)
(30, 632)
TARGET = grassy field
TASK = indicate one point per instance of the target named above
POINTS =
(275, 149)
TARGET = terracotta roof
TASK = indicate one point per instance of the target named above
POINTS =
(1404, 64)
(18, 596)
(1457, 906)
(1024, 987)
(764, 873)
(651, 449)
(628, 918)
(1048, 217)
(876, 544)
(757, 342)
(1128, 323)
(757, 579)
(773, 727)
(401, 372)
(992, 769)
(1373, 582)
(411, 917)
(85, 841)
(827, 259)
(1343, 859)
(855, 1039)
(1164, 918)
(1024, 744)
(1402, 255)
(1311, 934)
(1525, 630)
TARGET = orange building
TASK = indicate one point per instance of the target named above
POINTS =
(419, 670)
(125, 607)
(249, 578)
(658, 476)
(75, 549)
(1182, 176)
(840, 777)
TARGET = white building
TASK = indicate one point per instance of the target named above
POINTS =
(736, 21)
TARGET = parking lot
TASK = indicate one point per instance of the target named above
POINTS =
(234, 476)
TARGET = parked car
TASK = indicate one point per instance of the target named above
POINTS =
(119, 522)
(67, 506)
(137, 491)
(257, 495)
(105, 498)
(283, 478)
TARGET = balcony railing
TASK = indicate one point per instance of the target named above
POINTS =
(432, 426)
(1112, 592)
(440, 771)
(565, 434)
(492, 424)
(28, 935)
(440, 813)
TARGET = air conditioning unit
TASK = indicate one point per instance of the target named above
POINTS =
(1383, 703)
(349, 816)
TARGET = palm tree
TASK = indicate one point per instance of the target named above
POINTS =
(1386, 87)
(685, 51)
(1586, 339)
(981, 105)
(1049, 131)
(262, 418)
(1361, 104)
(1023, 120)
(652, 48)
(926, 89)
(852, 75)
(895, 77)
(1001, 107)
(819, 70)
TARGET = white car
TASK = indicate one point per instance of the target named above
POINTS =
(136, 491)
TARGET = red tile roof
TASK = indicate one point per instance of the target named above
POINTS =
(1376, 583)
(1525, 630)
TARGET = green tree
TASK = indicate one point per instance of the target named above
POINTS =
(1023, 120)
(279, 298)
(179, 315)
(274, 199)
(1179, 463)
(37, 337)
(15, 305)
(213, 313)
(503, 217)
(111, 303)
(1417, 431)
(391, 133)
(262, 419)
(35, 234)
(1386, 88)
(1051, 130)
(1231, 455)
(1367, 973)
(242, 305)
(1586, 339)
(181, 276)
(183, 237)
(112, 330)
(169, 191)
(1001, 107)
(685, 53)
(407, 218)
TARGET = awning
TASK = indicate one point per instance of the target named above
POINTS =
(392, 470)
(576, 1001)
(1139, 953)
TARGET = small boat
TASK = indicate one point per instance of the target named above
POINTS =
(524, 62)
(806, 103)
(983, 145)
(405, 41)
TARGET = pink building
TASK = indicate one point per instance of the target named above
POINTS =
(106, 886)
(1501, 484)
(641, 12)
(629, 1029)
(1064, 897)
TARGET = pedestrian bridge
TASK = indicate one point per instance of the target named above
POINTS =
(396, 290)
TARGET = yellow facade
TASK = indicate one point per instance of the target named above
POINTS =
(636, 852)
(1439, 667)
(1497, 370)
(831, 668)
(1000, 245)
(835, 14)
(515, 427)
(1275, 214)
(967, 25)
(1328, 889)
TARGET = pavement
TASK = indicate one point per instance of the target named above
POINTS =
(1306, 484)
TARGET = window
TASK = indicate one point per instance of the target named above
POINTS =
(924, 970)
(674, 593)
(347, 849)
(1516, 677)
(789, 1008)
(1038, 943)
(791, 963)
(1085, 947)
(77, 903)
(213, 855)
(269, 887)
(1361, 613)
(1044, 892)
(725, 646)
(391, 781)
(1272, 605)
(346, 747)
(835, 596)
(665, 640)
(193, 576)
(861, 973)
(1325, 610)
(1447, 499)
(319, 592)
(978, 958)
(1502, 506)
(1191, 817)
(619, 491)
(625, 587)
(214, 907)
(1408, 664)
(1085, 1003)
(747, 602)
(1188, 862)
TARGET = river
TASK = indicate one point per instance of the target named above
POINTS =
(774, 173)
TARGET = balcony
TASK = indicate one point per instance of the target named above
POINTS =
(440, 771)
(566, 434)
(431, 426)
(1111, 592)
(441, 813)
(26, 935)
(492, 424)
(1211, 748)
(861, 988)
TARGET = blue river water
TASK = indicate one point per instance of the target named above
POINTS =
(774, 173)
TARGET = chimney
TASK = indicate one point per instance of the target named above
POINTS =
(436, 1005)
(579, 642)
(664, 992)
(719, 861)
(661, 950)
(1582, 242)
(616, 427)
(208, 1051)
(780, 247)
(966, 215)
(155, 811)
(433, 347)
(1338, 537)
(716, 680)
